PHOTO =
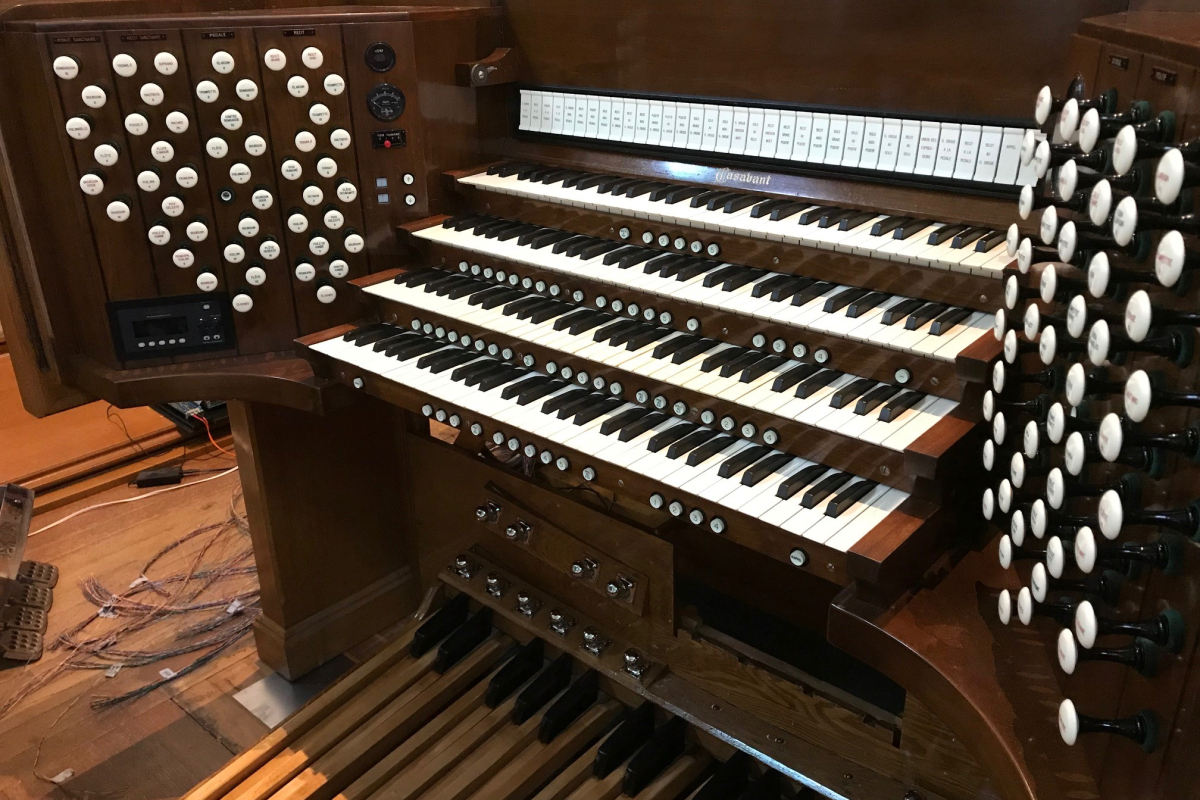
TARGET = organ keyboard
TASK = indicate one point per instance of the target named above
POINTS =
(660, 371)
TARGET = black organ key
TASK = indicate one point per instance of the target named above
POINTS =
(647, 188)
(850, 391)
(789, 289)
(543, 304)
(719, 276)
(899, 311)
(633, 259)
(634, 730)
(875, 398)
(579, 697)
(435, 359)
(679, 194)
(724, 357)
(990, 240)
(742, 278)
(622, 338)
(761, 367)
(690, 442)
(824, 487)
(848, 497)
(642, 425)
(576, 248)
(524, 386)
(594, 180)
(647, 338)
(548, 312)
(613, 185)
(483, 228)
(533, 172)
(538, 392)
(499, 379)
(549, 682)
(399, 338)
(843, 299)
(524, 302)
(654, 265)
(561, 245)
(765, 208)
(597, 410)
(523, 665)
(695, 269)
(861, 218)
(459, 292)
(583, 324)
(742, 459)
(886, 226)
(758, 472)
(945, 232)
(675, 345)
(598, 249)
(500, 299)
(736, 204)
(910, 228)
(439, 626)
(648, 763)
(552, 405)
(899, 405)
(413, 277)
(464, 222)
(713, 200)
(463, 640)
(834, 218)
(948, 320)
(497, 231)
(616, 255)
(477, 378)
(508, 168)
(814, 214)
(621, 420)
(673, 269)
(484, 295)
(967, 237)
(587, 400)
(801, 479)
(770, 285)
(820, 380)
(811, 292)
(787, 210)
(671, 435)
(793, 376)
(614, 328)
(405, 352)
(741, 362)
(865, 303)
(517, 233)
(537, 241)
(923, 315)
(709, 449)
(368, 334)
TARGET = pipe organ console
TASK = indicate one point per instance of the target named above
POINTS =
(650, 383)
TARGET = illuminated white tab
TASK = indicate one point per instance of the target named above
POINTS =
(641, 123)
(927, 148)
(654, 123)
(803, 136)
(725, 129)
(754, 132)
(872, 142)
(968, 152)
(835, 142)
(889, 146)
(741, 124)
(629, 121)
(526, 101)
(591, 127)
(947, 150)
(557, 109)
(1009, 160)
(852, 151)
(910, 140)
(604, 108)
(695, 126)
(547, 112)
(770, 134)
(989, 153)
(787, 134)
(819, 138)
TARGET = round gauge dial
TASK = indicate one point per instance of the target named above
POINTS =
(385, 102)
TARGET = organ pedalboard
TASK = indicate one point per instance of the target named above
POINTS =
(1092, 417)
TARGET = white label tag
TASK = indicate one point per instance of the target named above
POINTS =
(112, 671)
(234, 607)
(167, 673)
(63, 776)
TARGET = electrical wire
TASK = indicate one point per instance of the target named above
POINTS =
(208, 429)
(75, 514)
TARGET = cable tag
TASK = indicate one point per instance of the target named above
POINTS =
(234, 607)
(112, 671)
(167, 673)
(63, 776)
(106, 612)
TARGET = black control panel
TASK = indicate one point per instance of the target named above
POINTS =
(387, 139)
(169, 326)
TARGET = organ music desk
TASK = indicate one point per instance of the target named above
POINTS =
(814, 392)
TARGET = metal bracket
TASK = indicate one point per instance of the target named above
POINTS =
(500, 67)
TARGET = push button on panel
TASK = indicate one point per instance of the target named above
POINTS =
(93, 96)
(66, 67)
(79, 128)
(177, 122)
(166, 63)
(380, 56)
(222, 62)
(124, 65)
(172, 206)
(207, 91)
(334, 84)
(246, 89)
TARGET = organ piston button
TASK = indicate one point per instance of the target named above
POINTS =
(269, 250)
(339, 268)
(312, 194)
(243, 303)
(106, 154)
(312, 57)
(206, 281)
(246, 89)
(159, 234)
(326, 294)
(319, 113)
(92, 183)
(137, 124)
(177, 122)
(94, 97)
(256, 276)
(124, 65)
(305, 271)
(335, 84)
(217, 147)
(297, 223)
(222, 62)
(148, 181)
(339, 138)
(239, 173)
(118, 211)
(297, 86)
(318, 245)
(346, 191)
(231, 119)
(248, 226)
(334, 219)
(593, 642)
(262, 199)
(326, 167)
(256, 145)
(172, 206)
(291, 169)
(79, 128)
(197, 231)
(183, 258)
(353, 242)
(162, 151)
(234, 253)
(151, 94)
(305, 141)
(187, 177)
(275, 59)
(166, 63)
(66, 67)
(207, 91)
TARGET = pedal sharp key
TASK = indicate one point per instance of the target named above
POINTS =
(518, 669)
(552, 680)
(579, 697)
(635, 729)
(439, 626)
(458, 644)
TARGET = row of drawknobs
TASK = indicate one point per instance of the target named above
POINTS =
(1081, 402)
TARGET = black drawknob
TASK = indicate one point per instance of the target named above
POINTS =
(1142, 727)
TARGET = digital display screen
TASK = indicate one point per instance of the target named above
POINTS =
(159, 326)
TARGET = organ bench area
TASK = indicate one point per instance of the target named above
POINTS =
(646, 395)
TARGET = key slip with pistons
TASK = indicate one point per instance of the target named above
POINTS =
(659, 400)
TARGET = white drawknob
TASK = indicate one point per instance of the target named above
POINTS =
(242, 303)
(326, 294)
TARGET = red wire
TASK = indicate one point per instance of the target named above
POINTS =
(208, 429)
